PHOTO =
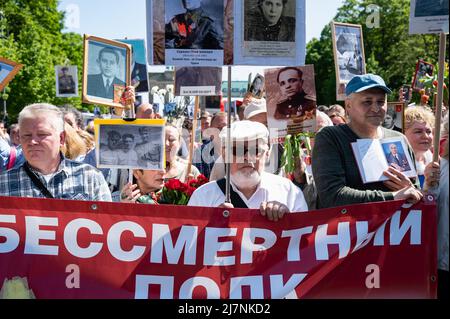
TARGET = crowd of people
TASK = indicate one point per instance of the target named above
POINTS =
(50, 153)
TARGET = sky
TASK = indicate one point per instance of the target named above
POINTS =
(115, 19)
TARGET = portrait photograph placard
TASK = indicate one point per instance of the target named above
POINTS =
(139, 73)
(394, 118)
(8, 69)
(420, 75)
(428, 16)
(106, 70)
(348, 50)
(256, 86)
(130, 145)
(66, 77)
(200, 81)
(269, 32)
(291, 101)
(187, 33)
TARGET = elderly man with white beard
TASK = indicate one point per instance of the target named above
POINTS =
(250, 186)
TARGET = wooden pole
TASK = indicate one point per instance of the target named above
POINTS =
(191, 145)
(228, 143)
(440, 97)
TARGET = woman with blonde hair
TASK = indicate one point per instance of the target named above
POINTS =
(74, 147)
(419, 126)
(176, 167)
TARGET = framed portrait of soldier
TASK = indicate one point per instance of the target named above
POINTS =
(198, 81)
(394, 118)
(269, 32)
(291, 101)
(8, 69)
(106, 70)
(187, 33)
(423, 69)
(139, 74)
(348, 50)
(130, 145)
(428, 16)
(66, 80)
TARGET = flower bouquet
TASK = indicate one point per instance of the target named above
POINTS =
(176, 192)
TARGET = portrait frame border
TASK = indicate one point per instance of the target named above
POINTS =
(416, 71)
(66, 95)
(394, 104)
(138, 122)
(89, 98)
(333, 25)
(16, 68)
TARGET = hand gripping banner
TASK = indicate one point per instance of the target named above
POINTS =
(75, 249)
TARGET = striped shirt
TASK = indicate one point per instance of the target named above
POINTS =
(73, 180)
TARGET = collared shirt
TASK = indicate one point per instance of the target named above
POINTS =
(205, 157)
(73, 180)
(271, 188)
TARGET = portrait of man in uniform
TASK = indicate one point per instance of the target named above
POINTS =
(193, 29)
(295, 102)
(66, 81)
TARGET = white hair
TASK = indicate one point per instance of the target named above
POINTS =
(48, 111)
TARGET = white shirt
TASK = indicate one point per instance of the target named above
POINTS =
(271, 188)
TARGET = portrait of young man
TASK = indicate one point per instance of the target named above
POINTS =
(109, 63)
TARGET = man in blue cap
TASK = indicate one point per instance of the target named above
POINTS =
(335, 169)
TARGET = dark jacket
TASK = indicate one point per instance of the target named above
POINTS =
(96, 87)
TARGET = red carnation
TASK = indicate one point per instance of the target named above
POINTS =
(173, 184)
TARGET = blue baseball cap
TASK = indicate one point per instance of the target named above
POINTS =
(364, 82)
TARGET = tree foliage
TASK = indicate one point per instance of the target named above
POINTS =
(32, 35)
(389, 49)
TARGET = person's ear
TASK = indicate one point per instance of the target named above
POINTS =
(62, 138)
(137, 173)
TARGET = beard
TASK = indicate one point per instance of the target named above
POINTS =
(245, 180)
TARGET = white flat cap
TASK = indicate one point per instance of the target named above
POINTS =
(255, 107)
(245, 131)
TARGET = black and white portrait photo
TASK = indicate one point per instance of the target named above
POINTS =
(257, 87)
(66, 80)
(130, 145)
(428, 16)
(106, 69)
(348, 51)
(201, 81)
(269, 20)
(393, 119)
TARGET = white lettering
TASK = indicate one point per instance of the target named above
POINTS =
(12, 237)
(323, 240)
(187, 288)
(143, 282)
(161, 239)
(279, 290)
(363, 236)
(210, 257)
(114, 236)
(34, 234)
(254, 282)
(248, 242)
(293, 253)
(413, 221)
(71, 233)
(373, 279)
(73, 279)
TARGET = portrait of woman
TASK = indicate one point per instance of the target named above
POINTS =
(257, 87)
(269, 21)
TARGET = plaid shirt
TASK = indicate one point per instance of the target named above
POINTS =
(73, 180)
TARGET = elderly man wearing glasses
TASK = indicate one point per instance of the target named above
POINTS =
(251, 187)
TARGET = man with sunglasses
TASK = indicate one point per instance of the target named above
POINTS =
(250, 186)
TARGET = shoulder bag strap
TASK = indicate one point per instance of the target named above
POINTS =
(37, 182)
(236, 200)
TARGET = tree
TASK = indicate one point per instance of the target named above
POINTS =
(389, 49)
(32, 35)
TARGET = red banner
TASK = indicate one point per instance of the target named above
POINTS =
(75, 249)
